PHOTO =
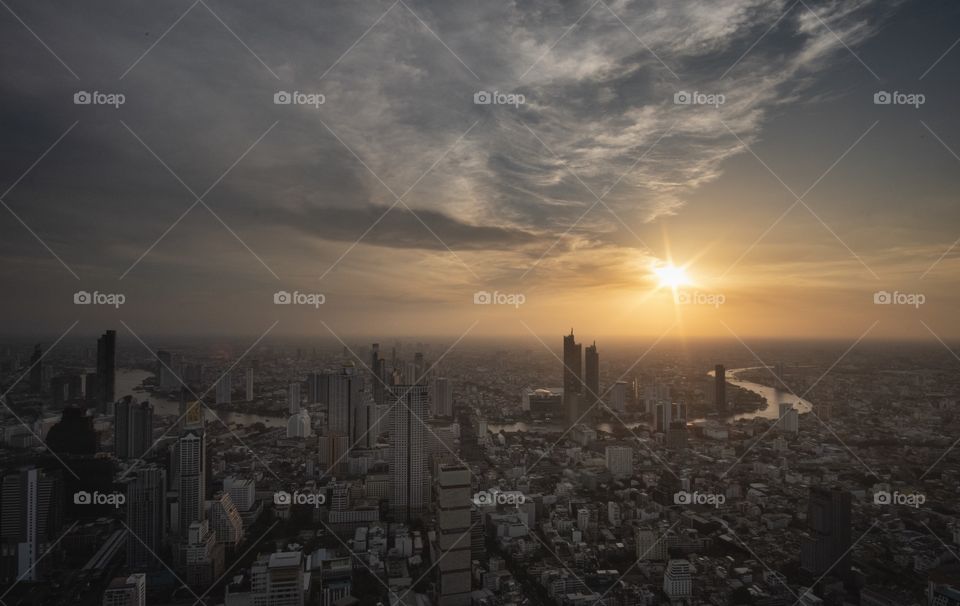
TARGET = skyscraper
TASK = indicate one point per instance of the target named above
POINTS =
(720, 388)
(248, 376)
(592, 377)
(572, 376)
(224, 388)
(146, 516)
(191, 468)
(165, 375)
(36, 369)
(377, 372)
(451, 549)
(132, 428)
(618, 397)
(106, 370)
(409, 446)
(441, 397)
(293, 397)
(346, 396)
(827, 540)
(30, 520)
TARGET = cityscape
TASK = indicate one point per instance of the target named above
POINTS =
(532, 303)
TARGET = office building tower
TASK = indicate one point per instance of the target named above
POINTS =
(679, 412)
(677, 580)
(126, 591)
(663, 416)
(166, 377)
(591, 371)
(789, 418)
(826, 543)
(346, 396)
(293, 398)
(146, 511)
(653, 394)
(720, 388)
(224, 388)
(299, 425)
(248, 376)
(572, 377)
(409, 447)
(619, 461)
(31, 514)
(277, 580)
(242, 491)
(225, 521)
(132, 428)
(451, 549)
(378, 374)
(365, 425)
(191, 453)
(106, 370)
(332, 454)
(36, 369)
(200, 558)
(441, 397)
(618, 397)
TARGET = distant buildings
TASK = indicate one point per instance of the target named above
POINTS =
(132, 428)
(441, 397)
(618, 397)
(248, 379)
(592, 372)
(827, 541)
(224, 388)
(572, 377)
(720, 388)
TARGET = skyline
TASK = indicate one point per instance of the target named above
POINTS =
(503, 198)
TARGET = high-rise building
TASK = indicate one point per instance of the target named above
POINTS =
(651, 545)
(31, 514)
(451, 549)
(224, 388)
(191, 452)
(346, 397)
(126, 591)
(200, 558)
(789, 418)
(827, 540)
(720, 388)
(248, 376)
(572, 377)
(146, 510)
(332, 450)
(408, 441)
(299, 425)
(618, 397)
(277, 580)
(132, 428)
(378, 378)
(591, 370)
(663, 416)
(677, 580)
(242, 491)
(441, 397)
(106, 370)
(67, 389)
(619, 461)
(293, 398)
(225, 521)
(365, 425)
(165, 373)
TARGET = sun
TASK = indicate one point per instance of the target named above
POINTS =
(671, 276)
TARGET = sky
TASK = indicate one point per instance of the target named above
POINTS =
(798, 206)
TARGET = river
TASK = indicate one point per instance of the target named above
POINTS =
(773, 396)
(128, 379)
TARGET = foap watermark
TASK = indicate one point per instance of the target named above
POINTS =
(82, 97)
(883, 97)
(312, 499)
(485, 297)
(116, 499)
(482, 97)
(485, 497)
(714, 499)
(695, 297)
(682, 97)
(282, 97)
(282, 297)
(82, 297)
(915, 499)
(883, 297)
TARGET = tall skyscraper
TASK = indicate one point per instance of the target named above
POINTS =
(165, 376)
(720, 388)
(451, 549)
(225, 519)
(293, 397)
(106, 370)
(618, 397)
(408, 441)
(248, 377)
(30, 519)
(346, 396)
(146, 509)
(572, 376)
(827, 540)
(378, 372)
(132, 428)
(592, 378)
(441, 397)
(191, 468)
(224, 388)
